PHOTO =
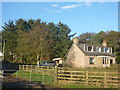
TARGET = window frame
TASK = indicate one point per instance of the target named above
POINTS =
(91, 60)
(91, 48)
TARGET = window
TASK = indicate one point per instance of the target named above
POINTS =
(91, 60)
(90, 48)
(111, 61)
(106, 50)
(98, 49)
(105, 60)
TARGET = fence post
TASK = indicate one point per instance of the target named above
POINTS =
(1, 74)
(19, 67)
(30, 77)
(42, 76)
(55, 75)
(71, 75)
(105, 80)
(47, 70)
(26, 67)
(23, 67)
(86, 77)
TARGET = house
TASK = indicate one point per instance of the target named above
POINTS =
(88, 55)
(59, 60)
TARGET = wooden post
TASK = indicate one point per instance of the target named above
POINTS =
(1, 72)
(31, 67)
(27, 67)
(23, 67)
(55, 75)
(71, 75)
(43, 76)
(86, 77)
(64, 73)
(19, 67)
(105, 80)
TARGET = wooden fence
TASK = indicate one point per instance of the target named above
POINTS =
(99, 79)
(88, 78)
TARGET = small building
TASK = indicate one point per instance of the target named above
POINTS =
(88, 55)
(58, 60)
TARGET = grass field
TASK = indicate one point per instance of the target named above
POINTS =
(72, 86)
(42, 77)
(113, 68)
(47, 80)
(35, 77)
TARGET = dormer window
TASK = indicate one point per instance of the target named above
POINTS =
(90, 48)
(106, 50)
(98, 49)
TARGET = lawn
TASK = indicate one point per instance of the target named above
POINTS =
(35, 77)
(48, 80)
(113, 68)
(47, 77)
(72, 86)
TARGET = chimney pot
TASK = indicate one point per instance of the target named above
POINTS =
(75, 40)
(104, 43)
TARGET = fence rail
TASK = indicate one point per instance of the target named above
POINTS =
(104, 79)
(100, 79)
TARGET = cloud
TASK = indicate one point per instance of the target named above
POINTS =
(70, 6)
(53, 11)
(54, 5)
(59, 8)
(88, 4)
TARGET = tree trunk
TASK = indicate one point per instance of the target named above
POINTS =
(37, 58)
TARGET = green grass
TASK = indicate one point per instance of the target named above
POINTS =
(35, 76)
(113, 68)
(49, 80)
(72, 86)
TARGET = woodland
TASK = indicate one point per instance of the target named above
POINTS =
(29, 41)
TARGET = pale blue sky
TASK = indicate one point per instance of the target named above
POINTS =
(79, 16)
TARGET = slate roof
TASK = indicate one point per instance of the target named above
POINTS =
(94, 53)
(98, 54)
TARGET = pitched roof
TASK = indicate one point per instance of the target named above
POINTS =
(98, 54)
(95, 53)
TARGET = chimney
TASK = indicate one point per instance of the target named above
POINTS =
(104, 43)
(75, 40)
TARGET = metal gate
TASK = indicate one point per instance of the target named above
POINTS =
(28, 75)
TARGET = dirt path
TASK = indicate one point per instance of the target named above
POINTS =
(13, 82)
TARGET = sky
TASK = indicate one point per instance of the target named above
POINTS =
(81, 17)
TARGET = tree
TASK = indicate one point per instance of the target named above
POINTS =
(9, 36)
(63, 42)
(41, 42)
(29, 41)
(98, 38)
(22, 25)
(113, 38)
(86, 37)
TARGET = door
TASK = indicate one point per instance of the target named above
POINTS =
(111, 61)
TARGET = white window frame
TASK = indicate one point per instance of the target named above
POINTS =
(91, 49)
(93, 61)
(99, 49)
(107, 50)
